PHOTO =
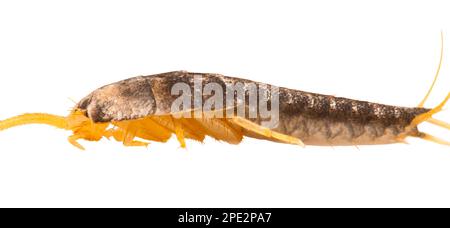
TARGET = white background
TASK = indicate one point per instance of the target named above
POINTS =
(382, 51)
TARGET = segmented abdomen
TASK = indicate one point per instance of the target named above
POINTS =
(327, 120)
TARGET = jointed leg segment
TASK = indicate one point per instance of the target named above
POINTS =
(265, 132)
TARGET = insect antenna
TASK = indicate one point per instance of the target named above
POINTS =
(73, 100)
(34, 118)
(437, 73)
(428, 116)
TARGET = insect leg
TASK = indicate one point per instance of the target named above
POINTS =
(125, 133)
(266, 132)
(182, 128)
(73, 140)
(179, 132)
(129, 139)
(220, 129)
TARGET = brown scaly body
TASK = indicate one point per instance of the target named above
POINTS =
(141, 107)
(327, 120)
(314, 118)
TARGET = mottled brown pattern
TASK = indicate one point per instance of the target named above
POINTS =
(314, 118)
(128, 99)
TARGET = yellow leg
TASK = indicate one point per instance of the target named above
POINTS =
(167, 123)
(220, 129)
(135, 143)
(116, 133)
(179, 132)
(195, 129)
(150, 130)
(129, 139)
(266, 132)
(125, 136)
(73, 140)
